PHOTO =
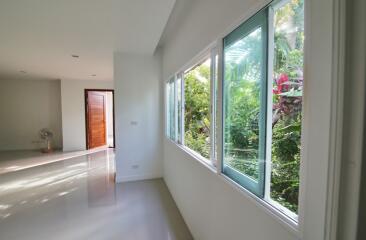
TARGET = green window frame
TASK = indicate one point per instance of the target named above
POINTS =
(255, 185)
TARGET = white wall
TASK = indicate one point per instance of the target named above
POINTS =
(139, 116)
(26, 107)
(353, 189)
(73, 111)
(198, 24)
(212, 208)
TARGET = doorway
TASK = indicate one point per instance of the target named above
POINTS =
(99, 118)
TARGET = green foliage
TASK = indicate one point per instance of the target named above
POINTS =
(242, 133)
(242, 103)
(286, 163)
(197, 107)
(286, 122)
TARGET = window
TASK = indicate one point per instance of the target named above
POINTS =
(262, 103)
(214, 93)
(178, 109)
(170, 109)
(287, 45)
(190, 107)
(197, 101)
(261, 85)
(245, 94)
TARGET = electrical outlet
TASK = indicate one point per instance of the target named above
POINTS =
(134, 123)
(135, 166)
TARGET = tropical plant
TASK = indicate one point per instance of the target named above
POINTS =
(287, 104)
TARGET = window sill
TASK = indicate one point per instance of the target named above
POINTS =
(272, 208)
(204, 161)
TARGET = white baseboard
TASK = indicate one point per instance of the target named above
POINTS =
(121, 179)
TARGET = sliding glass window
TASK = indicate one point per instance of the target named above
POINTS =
(262, 103)
(245, 95)
(197, 103)
(285, 104)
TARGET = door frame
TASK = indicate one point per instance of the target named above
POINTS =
(86, 115)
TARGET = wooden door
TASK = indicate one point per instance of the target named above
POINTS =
(96, 122)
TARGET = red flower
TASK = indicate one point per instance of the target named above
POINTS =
(280, 84)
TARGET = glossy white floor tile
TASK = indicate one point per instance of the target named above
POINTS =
(76, 198)
(17, 160)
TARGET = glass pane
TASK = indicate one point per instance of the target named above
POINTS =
(287, 103)
(168, 109)
(245, 104)
(214, 110)
(172, 110)
(179, 107)
(197, 107)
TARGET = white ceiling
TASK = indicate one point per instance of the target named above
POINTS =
(39, 36)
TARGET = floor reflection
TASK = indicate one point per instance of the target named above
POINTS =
(101, 187)
(77, 199)
(11, 161)
(31, 187)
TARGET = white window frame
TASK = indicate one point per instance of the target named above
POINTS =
(270, 49)
(267, 190)
(175, 109)
(213, 106)
(209, 52)
(167, 109)
(180, 137)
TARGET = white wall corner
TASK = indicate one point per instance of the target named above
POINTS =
(138, 112)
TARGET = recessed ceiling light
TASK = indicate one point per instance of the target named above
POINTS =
(94, 75)
(22, 71)
(75, 56)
